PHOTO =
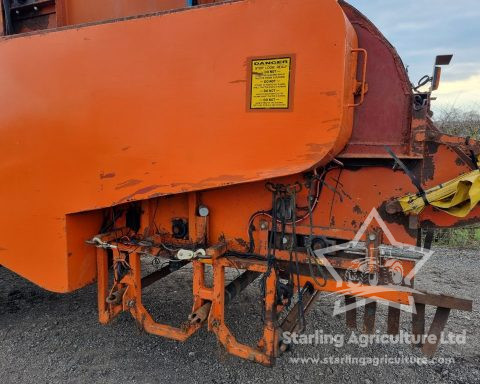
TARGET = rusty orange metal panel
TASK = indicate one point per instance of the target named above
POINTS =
(389, 86)
(121, 111)
(83, 11)
(2, 31)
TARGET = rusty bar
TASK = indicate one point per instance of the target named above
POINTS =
(309, 303)
(239, 263)
(443, 301)
(239, 284)
(368, 292)
(231, 291)
(160, 274)
(369, 317)
(436, 328)
(351, 314)
(418, 320)
(393, 325)
(290, 323)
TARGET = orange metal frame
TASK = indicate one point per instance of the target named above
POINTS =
(131, 301)
(126, 292)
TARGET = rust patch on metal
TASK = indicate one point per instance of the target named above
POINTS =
(237, 81)
(128, 183)
(429, 162)
(344, 193)
(432, 147)
(428, 169)
(3, 249)
(221, 178)
(107, 175)
(242, 243)
(141, 191)
(146, 189)
(318, 148)
(157, 194)
(329, 93)
(458, 224)
(397, 218)
(357, 210)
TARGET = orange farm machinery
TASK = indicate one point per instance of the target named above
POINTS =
(281, 138)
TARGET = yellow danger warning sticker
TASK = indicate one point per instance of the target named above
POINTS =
(270, 83)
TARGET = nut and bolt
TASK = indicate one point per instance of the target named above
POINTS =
(131, 303)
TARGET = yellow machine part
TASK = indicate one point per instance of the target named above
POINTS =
(457, 197)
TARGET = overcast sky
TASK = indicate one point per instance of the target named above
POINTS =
(422, 29)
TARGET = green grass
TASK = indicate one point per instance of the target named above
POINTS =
(458, 237)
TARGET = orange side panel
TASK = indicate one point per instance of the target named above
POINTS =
(114, 112)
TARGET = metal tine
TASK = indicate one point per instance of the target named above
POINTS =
(418, 321)
(393, 326)
(436, 328)
(369, 317)
(351, 315)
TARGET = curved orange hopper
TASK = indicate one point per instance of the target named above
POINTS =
(113, 112)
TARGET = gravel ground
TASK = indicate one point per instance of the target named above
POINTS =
(53, 338)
